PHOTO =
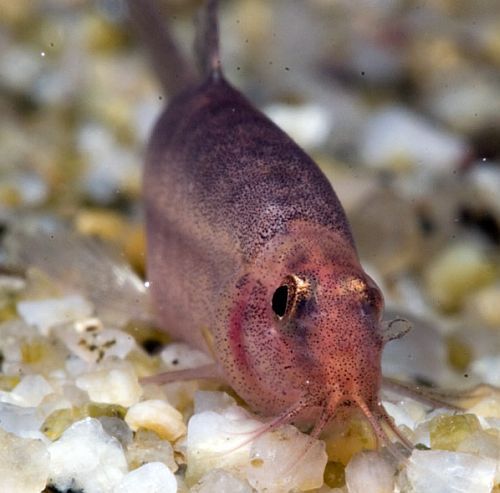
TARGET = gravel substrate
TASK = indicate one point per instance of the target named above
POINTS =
(398, 102)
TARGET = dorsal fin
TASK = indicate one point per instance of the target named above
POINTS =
(207, 40)
(172, 68)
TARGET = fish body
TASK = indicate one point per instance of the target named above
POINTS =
(250, 257)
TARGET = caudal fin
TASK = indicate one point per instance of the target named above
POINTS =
(171, 66)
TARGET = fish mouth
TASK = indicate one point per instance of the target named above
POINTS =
(374, 412)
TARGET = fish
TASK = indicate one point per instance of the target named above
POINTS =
(250, 256)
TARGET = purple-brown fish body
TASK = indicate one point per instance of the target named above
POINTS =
(250, 258)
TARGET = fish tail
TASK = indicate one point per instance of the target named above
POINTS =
(173, 69)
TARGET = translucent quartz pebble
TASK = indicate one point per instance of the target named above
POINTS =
(396, 138)
(29, 392)
(117, 428)
(484, 444)
(447, 432)
(286, 460)
(86, 458)
(368, 471)
(219, 440)
(22, 421)
(221, 482)
(347, 437)
(153, 477)
(149, 447)
(206, 400)
(406, 412)
(23, 464)
(436, 471)
(111, 386)
(45, 314)
(158, 416)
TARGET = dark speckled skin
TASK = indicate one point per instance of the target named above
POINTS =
(233, 206)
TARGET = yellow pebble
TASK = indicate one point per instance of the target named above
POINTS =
(456, 273)
(105, 224)
(447, 432)
(335, 474)
(348, 438)
(158, 416)
(8, 382)
(486, 305)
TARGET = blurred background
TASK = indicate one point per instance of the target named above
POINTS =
(397, 100)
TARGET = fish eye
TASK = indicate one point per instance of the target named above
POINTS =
(280, 301)
(287, 295)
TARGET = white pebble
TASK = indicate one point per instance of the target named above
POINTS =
(158, 416)
(21, 421)
(485, 181)
(206, 400)
(181, 356)
(488, 368)
(483, 444)
(30, 188)
(96, 344)
(153, 477)
(308, 124)
(86, 458)
(220, 481)
(11, 284)
(369, 468)
(395, 137)
(29, 392)
(110, 165)
(111, 386)
(488, 407)
(437, 471)
(21, 67)
(468, 103)
(147, 446)
(23, 464)
(405, 413)
(48, 313)
(219, 440)
(286, 460)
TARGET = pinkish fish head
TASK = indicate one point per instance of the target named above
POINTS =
(304, 332)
